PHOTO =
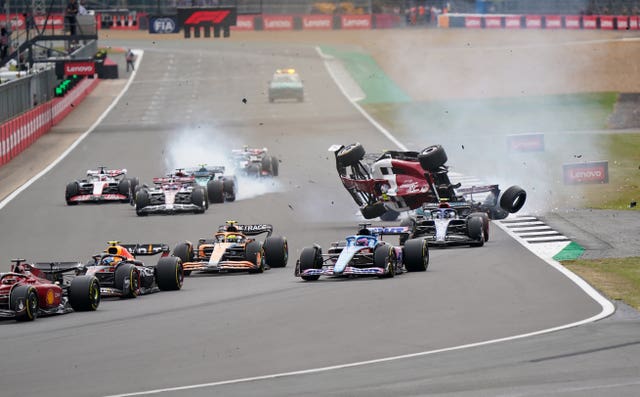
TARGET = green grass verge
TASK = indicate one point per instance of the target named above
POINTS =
(617, 278)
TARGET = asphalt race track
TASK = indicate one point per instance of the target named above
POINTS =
(186, 103)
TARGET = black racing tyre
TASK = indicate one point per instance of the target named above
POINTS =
(124, 188)
(310, 258)
(371, 211)
(230, 189)
(513, 199)
(384, 256)
(127, 280)
(486, 223)
(266, 165)
(274, 166)
(73, 189)
(134, 182)
(215, 190)
(205, 194)
(169, 274)
(390, 215)
(24, 301)
(432, 158)
(276, 251)
(198, 198)
(350, 155)
(142, 200)
(416, 255)
(254, 253)
(475, 230)
(84, 293)
(184, 251)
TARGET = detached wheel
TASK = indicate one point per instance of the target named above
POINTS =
(198, 198)
(215, 190)
(513, 199)
(276, 251)
(84, 294)
(169, 275)
(254, 253)
(142, 200)
(432, 158)
(416, 255)
(371, 211)
(127, 280)
(274, 166)
(310, 258)
(475, 230)
(73, 189)
(385, 257)
(230, 189)
(350, 155)
(24, 301)
(486, 222)
(124, 188)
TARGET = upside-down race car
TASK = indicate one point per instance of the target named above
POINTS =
(231, 249)
(255, 162)
(364, 254)
(31, 290)
(122, 275)
(171, 195)
(220, 187)
(398, 181)
(101, 185)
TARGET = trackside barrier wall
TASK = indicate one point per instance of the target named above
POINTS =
(20, 132)
(532, 21)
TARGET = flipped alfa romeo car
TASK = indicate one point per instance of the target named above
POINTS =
(32, 290)
(286, 84)
(122, 275)
(232, 249)
(398, 181)
(171, 195)
(220, 187)
(365, 254)
(255, 162)
(101, 185)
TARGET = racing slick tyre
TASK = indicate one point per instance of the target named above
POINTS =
(73, 189)
(276, 251)
(230, 189)
(266, 165)
(134, 182)
(416, 255)
(84, 293)
(24, 301)
(371, 211)
(124, 188)
(487, 222)
(385, 257)
(432, 158)
(475, 230)
(184, 251)
(215, 191)
(142, 200)
(205, 194)
(169, 274)
(513, 199)
(310, 258)
(389, 216)
(127, 280)
(350, 155)
(274, 166)
(198, 198)
(254, 253)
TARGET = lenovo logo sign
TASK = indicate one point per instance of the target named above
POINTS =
(319, 22)
(583, 173)
(356, 22)
(278, 23)
(80, 68)
(526, 143)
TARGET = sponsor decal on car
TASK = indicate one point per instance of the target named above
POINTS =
(585, 173)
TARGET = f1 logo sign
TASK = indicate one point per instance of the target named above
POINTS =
(164, 25)
(206, 16)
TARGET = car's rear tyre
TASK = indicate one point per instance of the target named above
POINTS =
(142, 200)
(276, 251)
(389, 216)
(134, 183)
(513, 199)
(475, 230)
(350, 155)
(127, 280)
(215, 190)
(73, 189)
(24, 301)
(265, 165)
(432, 158)
(310, 258)
(371, 211)
(84, 293)
(416, 255)
(384, 257)
(254, 253)
(274, 166)
(169, 274)
(230, 189)
(485, 224)
(199, 199)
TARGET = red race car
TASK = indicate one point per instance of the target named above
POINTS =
(397, 181)
(31, 290)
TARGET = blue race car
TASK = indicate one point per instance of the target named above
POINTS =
(365, 254)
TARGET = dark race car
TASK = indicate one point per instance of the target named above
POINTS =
(32, 290)
(398, 181)
(255, 162)
(233, 249)
(101, 185)
(171, 195)
(121, 274)
(364, 254)
(220, 186)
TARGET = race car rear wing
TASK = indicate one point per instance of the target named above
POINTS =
(54, 267)
(249, 230)
(145, 249)
(390, 230)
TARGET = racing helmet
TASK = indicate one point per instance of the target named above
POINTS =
(362, 241)
(232, 238)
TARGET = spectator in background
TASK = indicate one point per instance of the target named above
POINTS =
(70, 16)
(4, 42)
(82, 9)
(130, 57)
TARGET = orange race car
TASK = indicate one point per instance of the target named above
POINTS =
(232, 249)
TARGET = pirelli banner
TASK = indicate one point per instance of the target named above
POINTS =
(202, 21)
(509, 21)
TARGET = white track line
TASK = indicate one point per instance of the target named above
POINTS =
(3, 203)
